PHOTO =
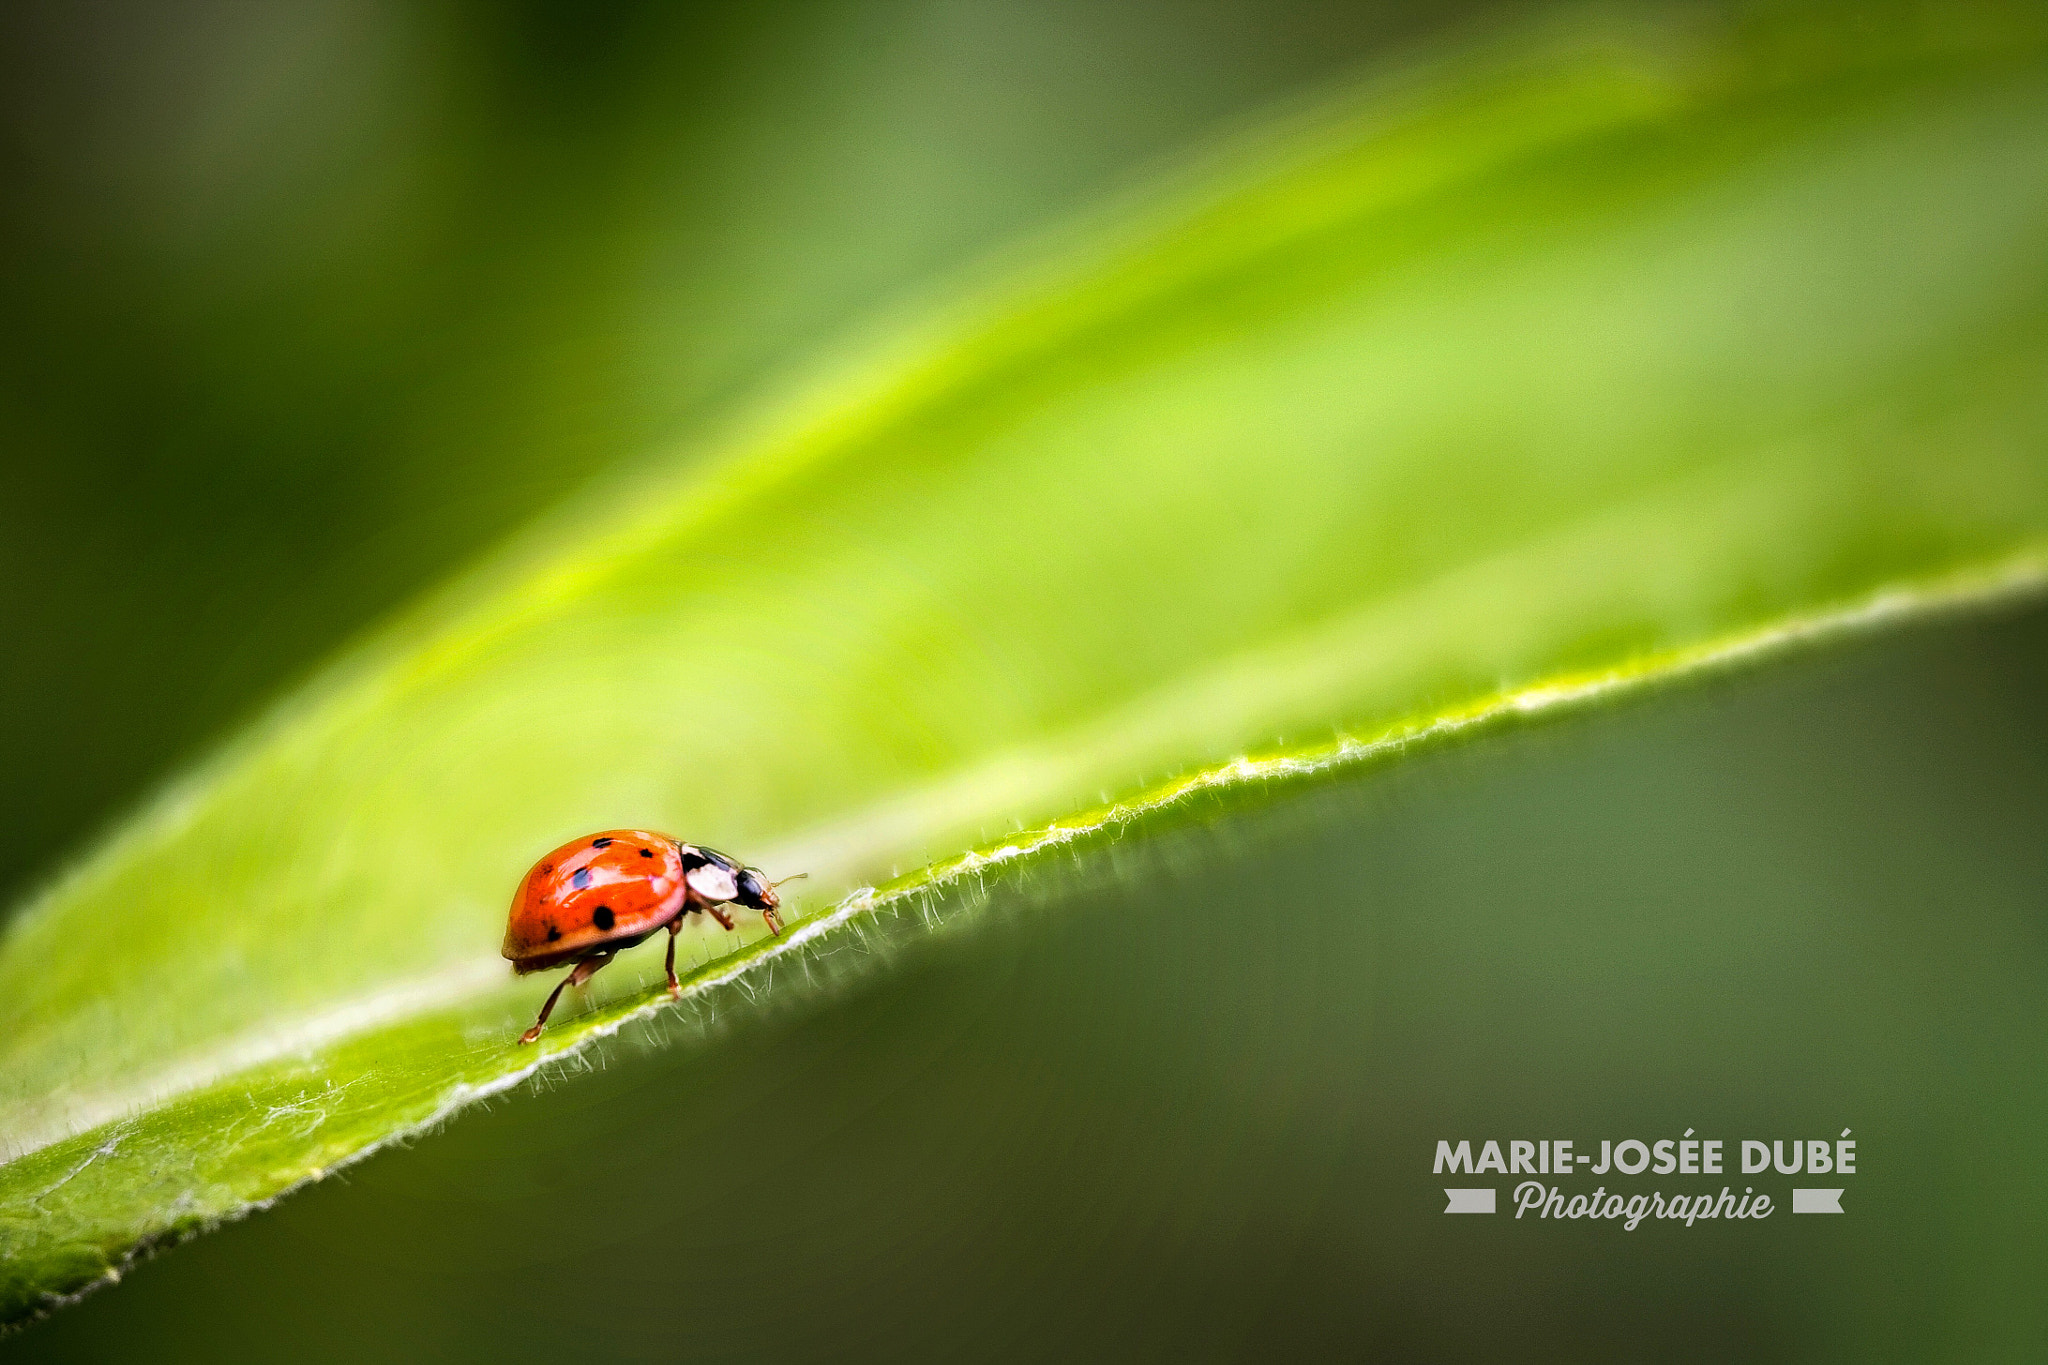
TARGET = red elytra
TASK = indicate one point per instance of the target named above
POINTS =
(594, 897)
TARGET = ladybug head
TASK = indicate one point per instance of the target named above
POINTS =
(755, 891)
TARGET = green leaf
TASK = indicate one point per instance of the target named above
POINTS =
(1503, 386)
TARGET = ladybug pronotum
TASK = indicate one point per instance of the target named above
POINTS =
(596, 896)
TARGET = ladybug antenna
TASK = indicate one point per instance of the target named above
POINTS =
(792, 877)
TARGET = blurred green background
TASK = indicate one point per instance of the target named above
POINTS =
(306, 303)
(1190, 1113)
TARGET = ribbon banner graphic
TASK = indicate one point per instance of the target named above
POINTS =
(1469, 1201)
(1816, 1201)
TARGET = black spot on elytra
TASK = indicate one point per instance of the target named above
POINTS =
(553, 933)
(602, 917)
(647, 853)
(581, 878)
(600, 843)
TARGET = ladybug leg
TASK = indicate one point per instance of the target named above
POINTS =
(588, 968)
(585, 969)
(720, 915)
(545, 1011)
(675, 987)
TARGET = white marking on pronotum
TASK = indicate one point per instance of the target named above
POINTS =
(712, 882)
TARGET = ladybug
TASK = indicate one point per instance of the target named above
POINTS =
(597, 896)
